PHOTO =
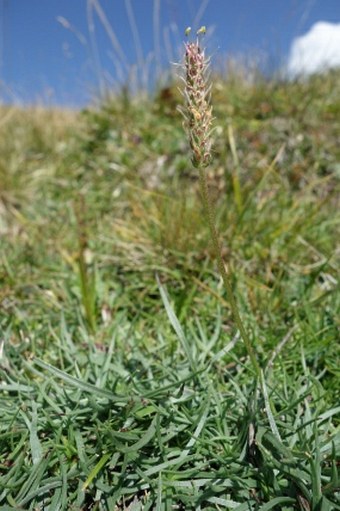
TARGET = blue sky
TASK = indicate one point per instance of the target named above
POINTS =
(62, 51)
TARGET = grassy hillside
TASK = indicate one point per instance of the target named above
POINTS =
(124, 384)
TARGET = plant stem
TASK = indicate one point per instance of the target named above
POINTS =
(218, 253)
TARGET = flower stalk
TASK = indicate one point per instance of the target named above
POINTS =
(197, 122)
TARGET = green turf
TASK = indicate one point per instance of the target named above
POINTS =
(123, 381)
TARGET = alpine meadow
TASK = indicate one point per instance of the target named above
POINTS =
(169, 300)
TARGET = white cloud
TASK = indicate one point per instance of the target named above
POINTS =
(315, 51)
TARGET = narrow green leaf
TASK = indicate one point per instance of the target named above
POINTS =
(175, 324)
(96, 469)
(36, 447)
(269, 413)
(82, 385)
(150, 433)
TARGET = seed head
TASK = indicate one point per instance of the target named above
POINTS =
(197, 112)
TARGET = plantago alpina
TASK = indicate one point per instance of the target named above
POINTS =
(197, 122)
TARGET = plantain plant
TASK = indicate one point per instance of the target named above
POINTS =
(198, 118)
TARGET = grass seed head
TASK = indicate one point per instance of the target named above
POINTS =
(197, 112)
